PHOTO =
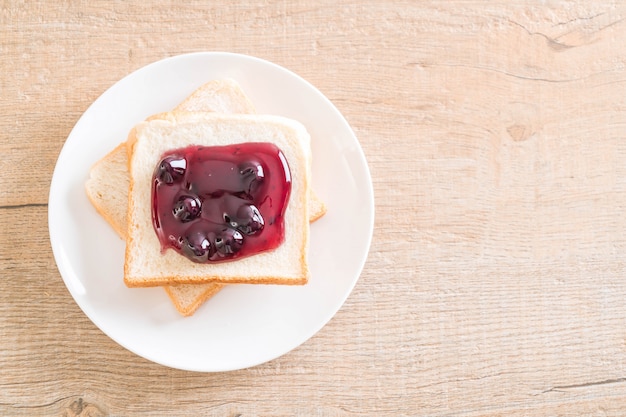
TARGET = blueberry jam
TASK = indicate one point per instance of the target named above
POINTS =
(220, 203)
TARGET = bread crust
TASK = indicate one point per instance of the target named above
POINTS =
(188, 309)
(148, 282)
(317, 208)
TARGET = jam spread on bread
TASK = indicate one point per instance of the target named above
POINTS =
(220, 203)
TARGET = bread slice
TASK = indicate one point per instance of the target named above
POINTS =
(145, 263)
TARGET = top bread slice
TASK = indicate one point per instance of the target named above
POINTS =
(147, 265)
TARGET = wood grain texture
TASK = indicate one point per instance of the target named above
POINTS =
(495, 134)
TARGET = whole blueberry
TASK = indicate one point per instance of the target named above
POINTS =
(197, 245)
(249, 219)
(187, 208)
(171, 169)
(228, 242)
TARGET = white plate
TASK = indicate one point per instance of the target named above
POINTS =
(243, 325)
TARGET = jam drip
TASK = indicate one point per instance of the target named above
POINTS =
(220, 203)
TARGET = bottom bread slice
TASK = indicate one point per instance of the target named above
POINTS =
(108, 182)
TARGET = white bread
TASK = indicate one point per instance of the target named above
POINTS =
(107, 186)
(146, 265)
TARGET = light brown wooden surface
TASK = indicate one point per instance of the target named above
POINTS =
(495, 132)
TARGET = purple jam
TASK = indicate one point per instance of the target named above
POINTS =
(220, 203)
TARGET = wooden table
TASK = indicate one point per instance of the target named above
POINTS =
(495, 132)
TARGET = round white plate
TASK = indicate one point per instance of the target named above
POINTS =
(242, 325)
